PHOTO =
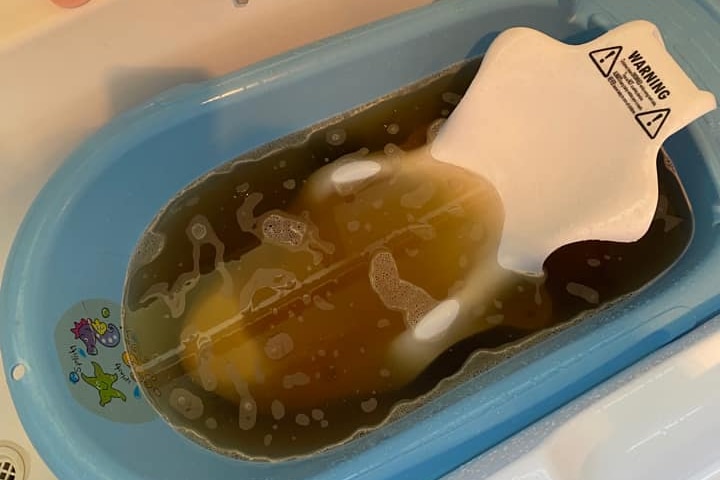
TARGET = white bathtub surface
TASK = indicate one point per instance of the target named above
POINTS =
(659, 420)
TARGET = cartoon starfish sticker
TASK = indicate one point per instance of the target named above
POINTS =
(103, 382)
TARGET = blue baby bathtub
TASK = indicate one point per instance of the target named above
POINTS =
(72, 250)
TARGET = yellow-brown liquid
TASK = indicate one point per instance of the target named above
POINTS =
(269, 312)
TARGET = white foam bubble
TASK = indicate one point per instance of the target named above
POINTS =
(207, 377)
(579, 290)
(279, 229)
(186, 403)
(247, 414)
(245, 213)
(278, 346)
(302, 419)
(397, 294)
(392, 150)
(148, 249)
(336, 136)
(198, 231)
(247, 407)
(451, 98)
(369, 405)
(277, 280)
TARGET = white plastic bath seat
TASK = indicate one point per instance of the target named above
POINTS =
(590, 120)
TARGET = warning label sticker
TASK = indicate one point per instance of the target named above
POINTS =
(605, 59)
(636, 84)
(653, 120)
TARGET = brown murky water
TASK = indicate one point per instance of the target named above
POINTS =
(280, 305)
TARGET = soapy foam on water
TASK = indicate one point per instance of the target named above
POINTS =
(302, 419)
(279, 346)
(147, 250)
(398, 294)
(277, 409)
(208, 380)
(280, 282)
(227, 169)
(247, 408)
(282, 229)
(369, 405)
(200, 233)
(186, 403)
(336, 136)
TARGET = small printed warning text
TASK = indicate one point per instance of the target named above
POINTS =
(636, 84)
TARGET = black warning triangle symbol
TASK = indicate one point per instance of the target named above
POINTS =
(605, 58)
(653, 120)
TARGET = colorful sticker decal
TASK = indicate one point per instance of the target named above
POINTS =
(95, 364)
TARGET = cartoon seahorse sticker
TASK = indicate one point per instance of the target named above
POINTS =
(103, 383)
(86, 334)
(92, 332)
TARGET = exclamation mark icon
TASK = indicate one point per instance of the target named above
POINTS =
(655, 119)
(652, 121)
(605, 58)
(609, 55)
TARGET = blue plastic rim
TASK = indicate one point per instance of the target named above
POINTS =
(77, 238)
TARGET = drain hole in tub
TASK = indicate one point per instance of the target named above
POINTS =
(18, 372)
